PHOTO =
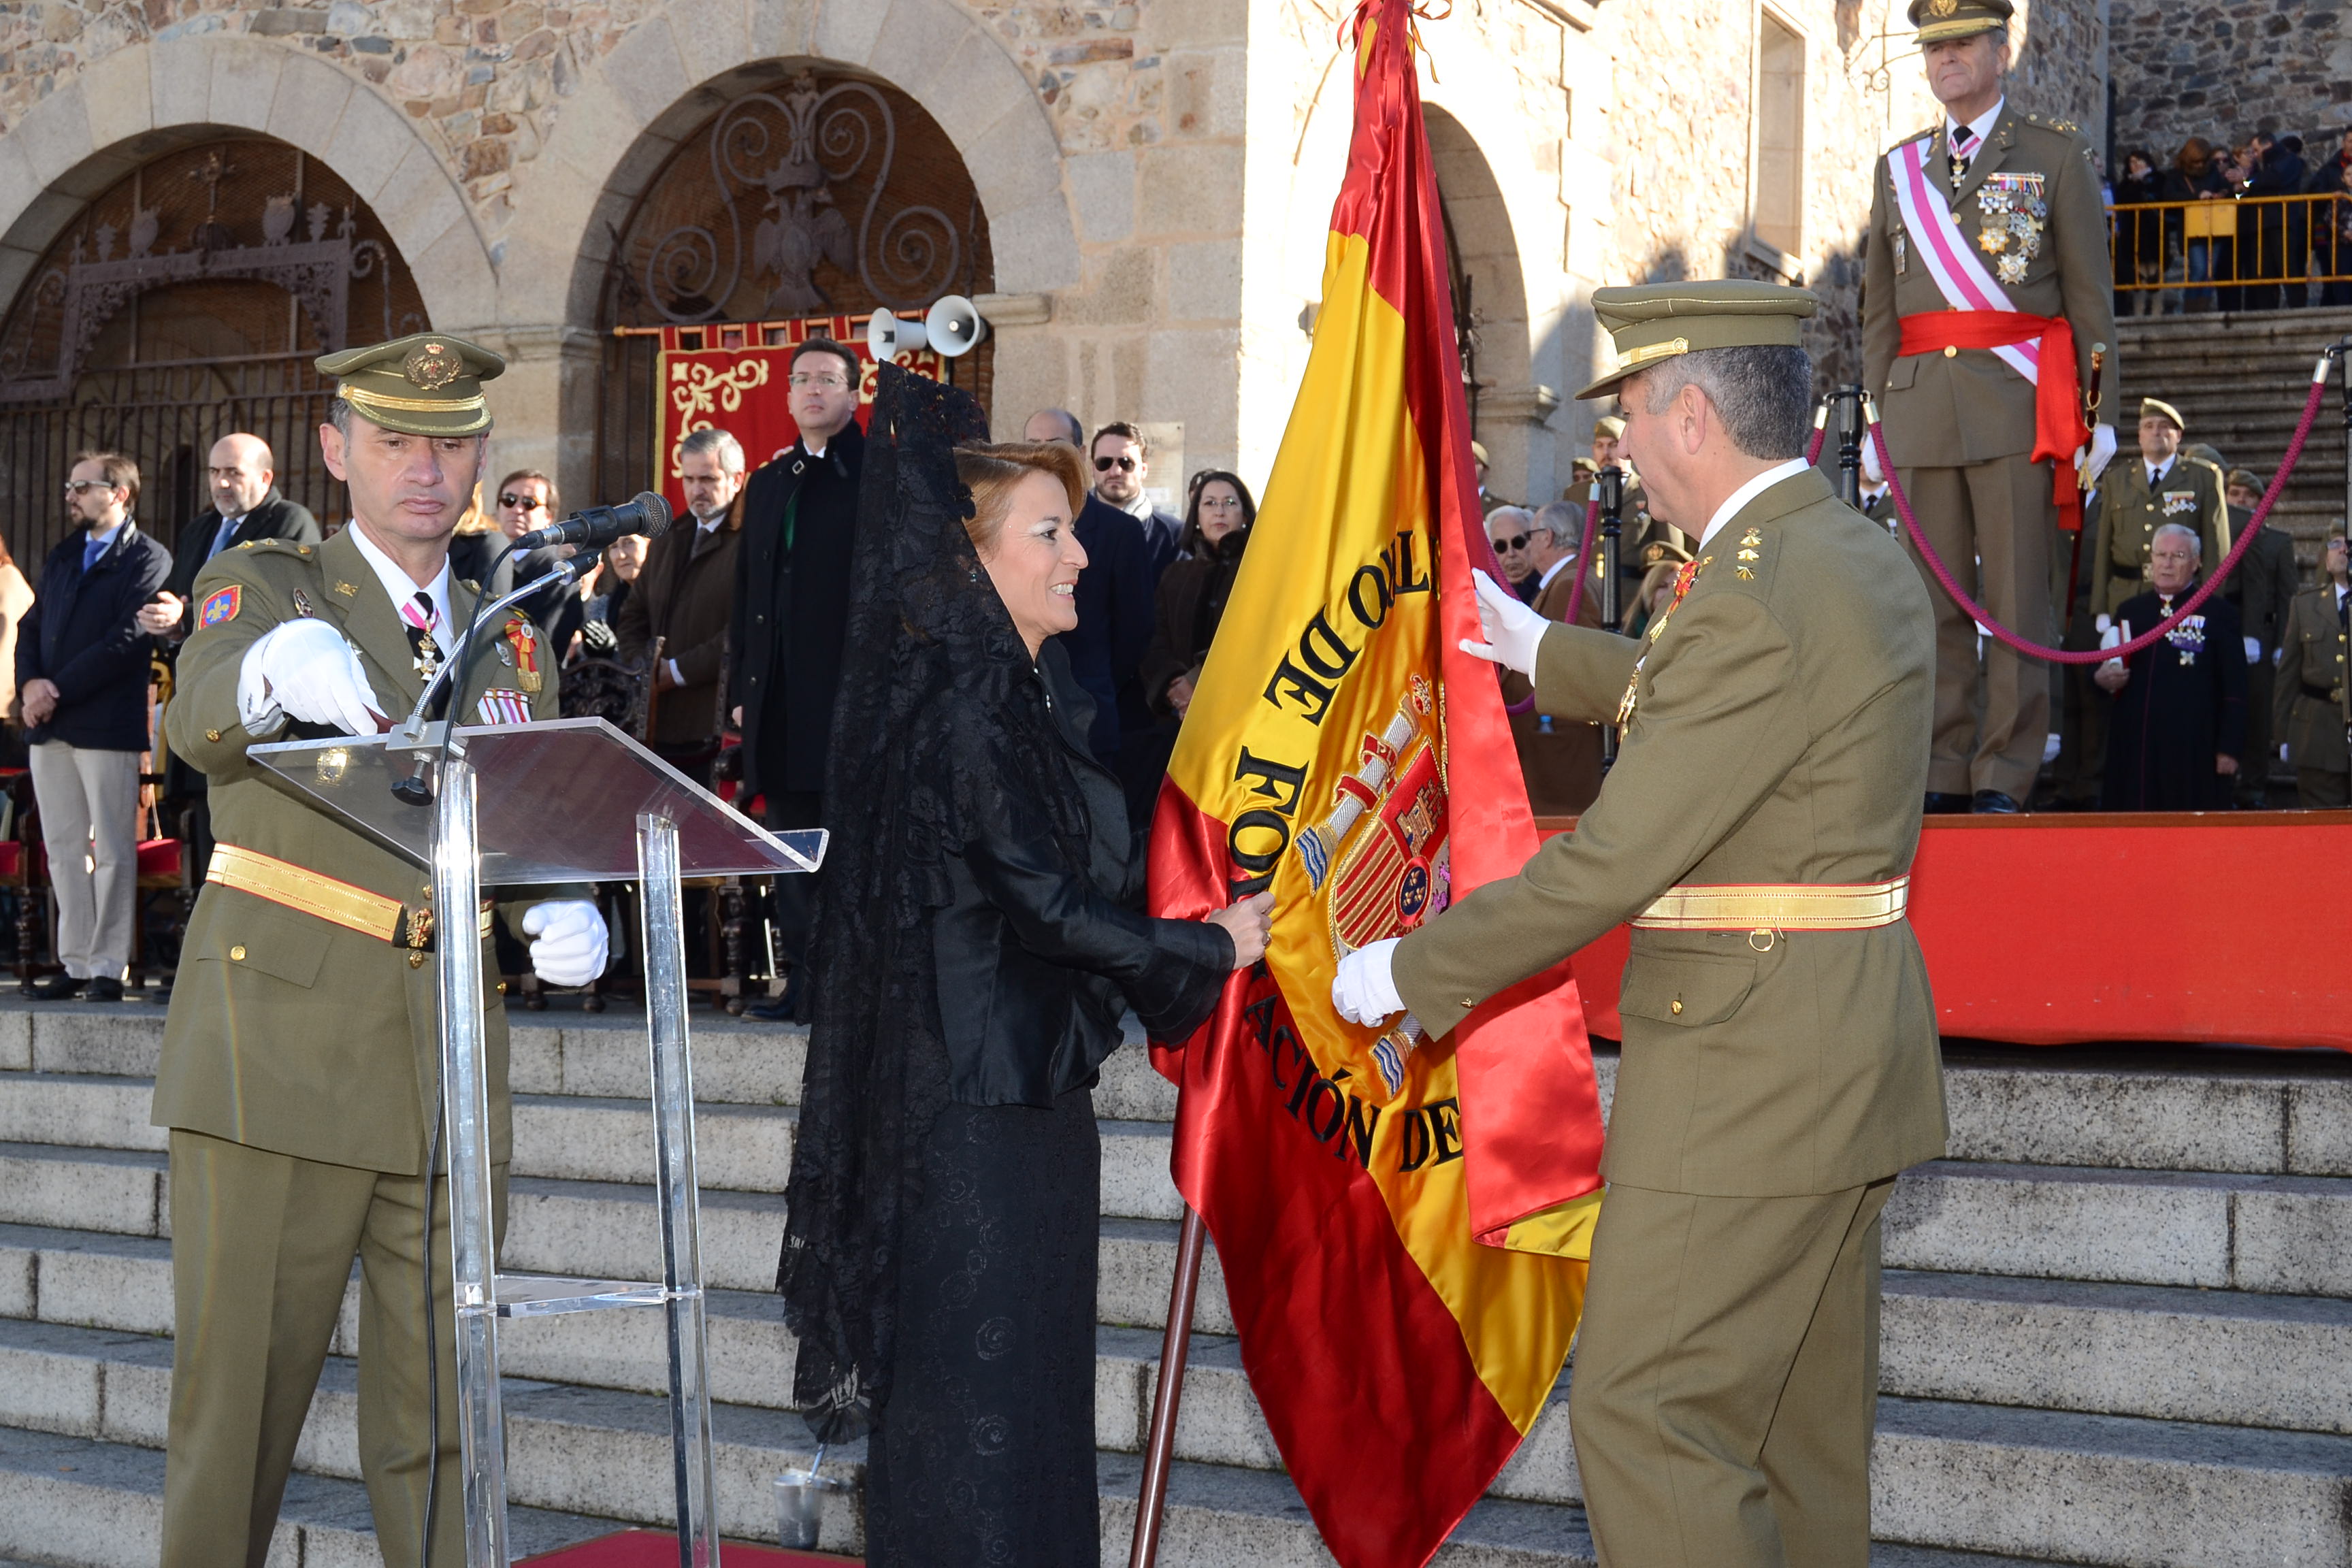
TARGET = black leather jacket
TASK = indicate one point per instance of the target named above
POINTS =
(1033, 955)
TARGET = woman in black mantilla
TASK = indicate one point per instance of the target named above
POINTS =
(975, 936)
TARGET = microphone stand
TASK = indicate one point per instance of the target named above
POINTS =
(1612, 481)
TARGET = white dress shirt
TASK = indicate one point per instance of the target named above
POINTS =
(1979, 129)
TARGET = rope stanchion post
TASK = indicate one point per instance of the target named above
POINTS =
(1609, 483)
(1849, 417)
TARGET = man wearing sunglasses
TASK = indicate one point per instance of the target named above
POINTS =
(1121, 459)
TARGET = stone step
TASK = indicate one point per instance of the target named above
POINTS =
(2109, 1490)
(80, 1503)
(2217, 1357)
(2169, 1492)
(2279, 1234)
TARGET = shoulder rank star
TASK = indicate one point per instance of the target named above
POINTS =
(1747, 552)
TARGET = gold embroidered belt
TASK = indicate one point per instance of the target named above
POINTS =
(1778, 906)
(340, 903)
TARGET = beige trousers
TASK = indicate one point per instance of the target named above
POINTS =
(1726, 1382)
(89, 825)
(1996, 530)
(262, 1247)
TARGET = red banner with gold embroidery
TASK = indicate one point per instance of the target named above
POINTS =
(733, 375)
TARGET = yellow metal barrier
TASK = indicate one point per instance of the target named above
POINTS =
(2221, 250)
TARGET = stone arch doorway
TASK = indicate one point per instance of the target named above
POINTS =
(187, 300)
(814, 192)
(1490, 302)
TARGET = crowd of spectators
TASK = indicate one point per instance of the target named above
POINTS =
(2231, 243)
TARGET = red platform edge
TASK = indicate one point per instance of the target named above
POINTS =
(2045, 930)
(659, 1548)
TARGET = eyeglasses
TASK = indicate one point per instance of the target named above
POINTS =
(802, 381)
(1518, 541)
(1105, 465)
(75, 486)
(521, 503)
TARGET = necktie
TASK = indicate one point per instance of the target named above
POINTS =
(1961, 138)
(91, 549)
(222, 534)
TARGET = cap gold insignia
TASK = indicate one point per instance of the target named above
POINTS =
(1943, 7)
(432, 366)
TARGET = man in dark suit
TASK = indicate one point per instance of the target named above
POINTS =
(1122, 460)
(1115, 602)
(1559, 758)
(246, 505)
(791, 611)
(81, 683)
(683, 602)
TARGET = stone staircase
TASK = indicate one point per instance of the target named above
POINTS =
(2117, 1325)
(2240, 380)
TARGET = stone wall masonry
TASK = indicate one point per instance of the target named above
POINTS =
(2224, 68)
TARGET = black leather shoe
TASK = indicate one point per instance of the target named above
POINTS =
(1942, 803)
(1994, 802)
(104, 990)
(781, 1008)
(56, 988)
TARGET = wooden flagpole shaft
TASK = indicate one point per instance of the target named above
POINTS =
(1160, 1452)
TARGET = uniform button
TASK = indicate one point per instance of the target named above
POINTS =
(212, 734)
(502, 987)
(415, 961)
(236, 953)
(1950, 352)
(1677, 1006)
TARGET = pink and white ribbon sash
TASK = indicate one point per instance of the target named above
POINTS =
(1958, 274)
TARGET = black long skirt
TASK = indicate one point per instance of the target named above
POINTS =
(985, 1453)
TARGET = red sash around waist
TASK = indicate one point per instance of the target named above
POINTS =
(2058, 427)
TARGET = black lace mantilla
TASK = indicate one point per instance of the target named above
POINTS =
(929, 648)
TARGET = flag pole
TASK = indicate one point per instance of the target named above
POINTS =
(1160, 1450)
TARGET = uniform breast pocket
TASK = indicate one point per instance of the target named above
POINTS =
(1903, 373)
(255, 936)
(1687, 989)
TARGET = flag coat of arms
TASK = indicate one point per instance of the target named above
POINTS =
(1401, 1222)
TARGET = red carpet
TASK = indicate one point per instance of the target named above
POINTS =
(2053, 929)
(659, 1548)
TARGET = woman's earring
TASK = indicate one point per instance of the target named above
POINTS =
(972, 575)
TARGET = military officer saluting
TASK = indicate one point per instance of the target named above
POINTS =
(301, 1058)
(1987, 286)
(1781, 1061)
(2135, 499)
(2310, 711)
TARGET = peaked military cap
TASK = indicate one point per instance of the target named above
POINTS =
(2162, 410)
(427, 384)
(1656, 321)
(1939, 20)
(2245, 479)
(1611, 426)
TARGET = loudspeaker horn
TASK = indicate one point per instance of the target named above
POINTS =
(889, 336)
(955, 325)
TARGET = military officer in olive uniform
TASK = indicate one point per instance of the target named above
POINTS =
(1987, 234)
(1780, 1060)
(1643, 540)
(300, 1061)
(2264, 588)
(2309, 709)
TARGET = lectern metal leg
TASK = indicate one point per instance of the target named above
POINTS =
(664, 938)
(466, 1108)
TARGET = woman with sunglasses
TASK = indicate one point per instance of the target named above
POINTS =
(523, 501)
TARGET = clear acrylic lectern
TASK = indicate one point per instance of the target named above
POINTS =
(570, 801)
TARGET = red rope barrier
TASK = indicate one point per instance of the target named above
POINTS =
(2010, 640)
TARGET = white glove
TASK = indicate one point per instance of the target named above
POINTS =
(2254, 650)
(570, 942)
(1363, 990)
(1512, 630)
(2095, 458)
(304, 670)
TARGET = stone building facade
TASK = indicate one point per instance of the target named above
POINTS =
(1147, 180)
(2224, 68)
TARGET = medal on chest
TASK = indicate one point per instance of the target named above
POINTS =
(2187, 638)
(425, 654)
(519, 647)
(1684, 578)
(2013, 214)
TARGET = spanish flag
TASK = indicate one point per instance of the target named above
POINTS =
(1402, 1221)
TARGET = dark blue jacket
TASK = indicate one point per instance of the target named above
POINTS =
(1115, 617)
(82, 633)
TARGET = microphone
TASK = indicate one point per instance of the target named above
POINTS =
(599, 525)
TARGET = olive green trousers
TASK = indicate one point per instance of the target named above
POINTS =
(1726, 1380)
(262, 1247)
